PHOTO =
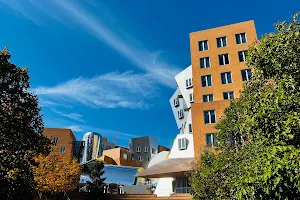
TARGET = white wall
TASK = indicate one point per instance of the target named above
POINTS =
(164, 187)
(181, 82)
(187, 153)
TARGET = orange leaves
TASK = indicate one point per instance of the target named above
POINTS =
(56, 173)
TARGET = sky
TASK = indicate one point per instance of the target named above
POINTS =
(109, 66)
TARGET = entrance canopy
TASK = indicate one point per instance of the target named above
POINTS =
(174, 167)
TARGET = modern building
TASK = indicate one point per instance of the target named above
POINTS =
(108, 145)
(62, 138)
(219, 70)
(119, 156)
(93, 147)
(143, 149)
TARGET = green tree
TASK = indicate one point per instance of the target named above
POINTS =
(259, 135)
(95, 171)
(21, 129)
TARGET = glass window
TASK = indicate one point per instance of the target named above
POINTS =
(190, 128)
(176, 102)
(55, 140)
(204, 62)
(182, 144)
(206, 81)
(221, 42)
(62, 149)
(224, 59)
(228, 95)
(188, 83)
(211, 140)
(226, 77)
(148, 158)
(191, 97)
(240, 38)
(208, 98)
(203, 45)
(209, 116)
(145, 149)
(242, 56)
(140, 158)
(125, 156)
(246, 74)
(180, 113)
(138, 149)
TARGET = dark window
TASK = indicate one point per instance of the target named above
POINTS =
(190, 128)
(148, 158)
(226, 77)
(62, 149)
(203, 45)
(55, 140)
(204, 62)
(240, 38)
(210, 140)
(221, 42)
(242, 56)
(191, 97)
(208, 97)
(228, 95)
(206, 81)
(209, 116)
(246, 74)
(224, 59)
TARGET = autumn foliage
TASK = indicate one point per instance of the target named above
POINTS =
(56, 173)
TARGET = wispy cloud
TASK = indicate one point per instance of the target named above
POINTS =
(126, 90)
(75, 128)
(70, 13)
(73, 116)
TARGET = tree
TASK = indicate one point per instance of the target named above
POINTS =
(259, 135)
(95, 170)
(56, 173)
(21, 128)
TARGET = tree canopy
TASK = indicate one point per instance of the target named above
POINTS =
(21, 127)
(258, 136)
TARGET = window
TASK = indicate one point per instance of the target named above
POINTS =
(153, 151)
(242, 56)
(140, 158)
(138, 149)
(246, 74)
(191, 97)
(188, 83)
(62, 149)
(211, 140)
(55, 140)
(224, 59)
(208, 98)
(148, 158)
(228, 95)
(190, 128)
(209, 116)
(226, 77)
(183, 127)
(204, 62)
(176, 102)
(180, 114)
(221, 42)
(145, 149)
(125, 156)
(240, 38)
(182, 144)
(203, 45)
(206, 81)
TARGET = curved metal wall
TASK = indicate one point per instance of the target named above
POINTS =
(93, 146)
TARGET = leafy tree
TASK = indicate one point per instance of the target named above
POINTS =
(56, 173)
(259, 135)
(21, 129)
(95, 171)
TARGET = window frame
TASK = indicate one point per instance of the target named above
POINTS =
(202, 44)
(140, 158)
(191, 95)
(182, 144)
(206, 80)
(145, 149)
(188, 83)
(248, 77)
(239, 36)
(243, 54)
(190, 128)
(228, 95)
(223, 59)
(207, 95)
(125, 156)
(180, 114)
(55, 140)
(210, 117)
(206, 62)
(221, 42)
(62, 149)
(226, 77)
(212, 139)
(138, 149)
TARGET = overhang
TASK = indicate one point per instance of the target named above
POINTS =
(173, 167)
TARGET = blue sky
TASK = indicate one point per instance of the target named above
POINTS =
(109, 66)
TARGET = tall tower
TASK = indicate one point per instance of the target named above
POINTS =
(219, 70)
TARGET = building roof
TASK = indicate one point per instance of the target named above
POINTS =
(174, 167)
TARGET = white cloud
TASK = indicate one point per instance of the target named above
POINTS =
(74, 116)
(126, 90)
(69, 13)
(75, 128)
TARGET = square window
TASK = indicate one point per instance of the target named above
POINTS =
(182, 143)
(203, 45)
(209, 117)
(211, 140)
(204, 62)
(140, 158)
(221, 42)
(206, 80)
(145, 149)
(208, 98)
(246, 74)
(138, 149)
(240, 38)
(62, 149)
(242, 56)
(191, 97)
(223, 59)
(228, 95)
(226, 77)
